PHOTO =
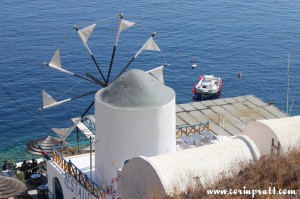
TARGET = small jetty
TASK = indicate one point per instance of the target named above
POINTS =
(227, 116)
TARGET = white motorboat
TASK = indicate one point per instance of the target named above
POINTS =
(208, 85)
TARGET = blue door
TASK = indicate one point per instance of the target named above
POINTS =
(58, 192)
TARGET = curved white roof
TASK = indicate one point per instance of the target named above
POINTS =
(285, 133)
(162, 173)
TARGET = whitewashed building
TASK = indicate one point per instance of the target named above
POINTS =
(276, 136)
(135, 145)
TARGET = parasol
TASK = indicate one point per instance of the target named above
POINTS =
(10, 187)
(46, 143)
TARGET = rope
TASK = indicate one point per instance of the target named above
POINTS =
(69, 32)
(22, 108)
(104, 20)
(163, 56)
(63, 94)
(144, 28)
(45, 125)
(148, 30)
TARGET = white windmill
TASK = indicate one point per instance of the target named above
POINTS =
(84, 35)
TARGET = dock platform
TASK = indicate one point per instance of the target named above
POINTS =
(227, 116)
(232, 114)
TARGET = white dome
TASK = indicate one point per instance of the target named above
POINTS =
(136, 89)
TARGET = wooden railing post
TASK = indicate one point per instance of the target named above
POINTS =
(69, 167)
(53, 155)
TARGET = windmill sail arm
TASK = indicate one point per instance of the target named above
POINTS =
(70, 73)
(157, 68)
(139, 52)
(48, 101)
(86, 45)
(95, 79)
(119, 30)
(87, 110)
(132, 59)
(157, 73)
(60, 69)
(67, 100)
(115, 47)
(87, 48)
(123, 25)
(89, 93)
(149, 45)
(84, 35)
(55, 63)
(63, 133)
(57, 103)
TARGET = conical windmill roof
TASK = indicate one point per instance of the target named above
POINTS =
(47, 143)
(10, 187)
(136, 89)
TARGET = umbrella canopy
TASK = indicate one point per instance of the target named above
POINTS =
(47, 144)
(10, 187)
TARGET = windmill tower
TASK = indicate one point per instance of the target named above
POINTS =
(135, 116)
(134, 112)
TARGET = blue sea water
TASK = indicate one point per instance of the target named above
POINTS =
(224, 37)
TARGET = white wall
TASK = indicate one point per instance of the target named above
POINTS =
(142, 174)
(286, 131)
(124, 133)
(262, 136)
(71, 188)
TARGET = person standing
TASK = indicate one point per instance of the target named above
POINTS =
(5, 166)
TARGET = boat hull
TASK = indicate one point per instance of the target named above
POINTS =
(199, 92)
(206, 96)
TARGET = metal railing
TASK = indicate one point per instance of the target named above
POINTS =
(186, 130)
(58, 154)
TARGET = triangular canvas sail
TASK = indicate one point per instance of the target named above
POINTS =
(157, 73)
(55, 61)
(86, 32)
(63, 133)
(151, 45)
(125, 24)
(47, 99)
